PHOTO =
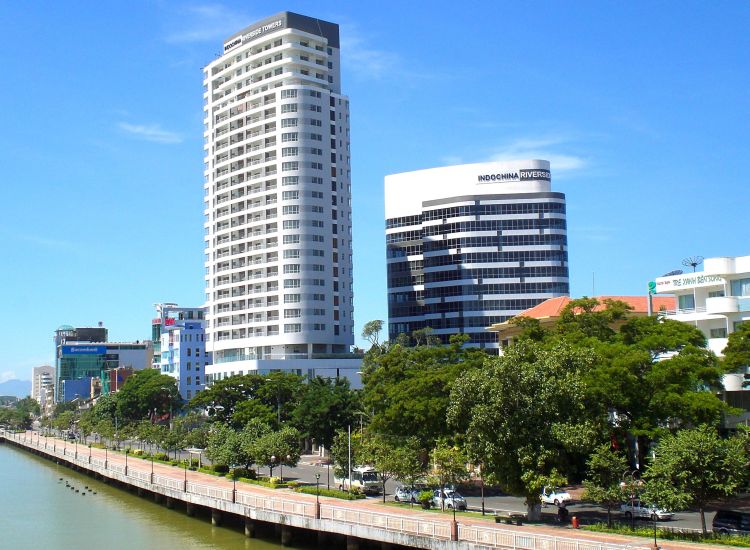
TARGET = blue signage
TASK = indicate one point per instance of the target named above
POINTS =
(84, 350)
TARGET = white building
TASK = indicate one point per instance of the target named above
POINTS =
(472, 245)
(183, 354)
(42, 378)
(278, 251)
(715, 300)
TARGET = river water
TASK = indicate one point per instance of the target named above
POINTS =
(39, 511)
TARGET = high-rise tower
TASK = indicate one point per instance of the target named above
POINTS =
(278, 251)
(472, 245)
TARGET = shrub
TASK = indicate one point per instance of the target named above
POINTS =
(335, 493)
(138, 452)
(220, 468)
(247, 473)
(667, 533)
(164, 457)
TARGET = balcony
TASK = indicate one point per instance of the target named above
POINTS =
(722, 305)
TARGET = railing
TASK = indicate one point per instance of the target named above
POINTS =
(476, 534)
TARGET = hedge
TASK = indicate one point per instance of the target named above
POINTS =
(335, 493)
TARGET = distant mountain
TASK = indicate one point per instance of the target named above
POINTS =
(19, 388)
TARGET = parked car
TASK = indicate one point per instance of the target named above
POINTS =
(553, 495)
(448, 499)
(640, 509)
(730, 522)
(407, 494)
(71, 436)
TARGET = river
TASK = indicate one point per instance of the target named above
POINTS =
(39, 511)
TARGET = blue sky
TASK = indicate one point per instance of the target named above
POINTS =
(642, 108)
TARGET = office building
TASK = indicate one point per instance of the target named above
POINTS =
(715, 300)
(183, 352)
(82, 354)
(167, 314)
(41, 378)
(472, 245)
(277, 183)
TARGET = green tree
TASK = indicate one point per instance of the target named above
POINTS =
(371, 332)
(527, 418)
(605, 472)
(278, 447)
(325, 406)
(145, 391)
(693, 467)
(408, 388)
(64, 421)
(340, 452)
(223, 447)
(448, 464)
(390, 456)
(737, 352)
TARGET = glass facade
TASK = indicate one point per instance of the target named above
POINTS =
(460, 268)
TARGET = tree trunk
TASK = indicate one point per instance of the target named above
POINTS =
(703, 519)
(609, 516)
(533, 509)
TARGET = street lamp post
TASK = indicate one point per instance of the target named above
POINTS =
(185, 485)
(126, 462)
(152, 467)
(631, 491)
(270, 474)
(234, 487)
(105, 457)
(317, 495)
(89, 453)
(328, 475)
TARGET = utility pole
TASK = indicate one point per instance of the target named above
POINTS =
(349, 428)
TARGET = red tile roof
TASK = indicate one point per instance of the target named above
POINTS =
(554, 306)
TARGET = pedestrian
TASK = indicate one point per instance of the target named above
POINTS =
(562, 513)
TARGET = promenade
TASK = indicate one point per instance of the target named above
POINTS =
(332, 519)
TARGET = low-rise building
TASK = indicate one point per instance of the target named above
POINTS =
(183, 353)
(549, 311)
(715, 300)
(41, 378)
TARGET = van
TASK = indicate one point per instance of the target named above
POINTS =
(730, 522)
(365, 479)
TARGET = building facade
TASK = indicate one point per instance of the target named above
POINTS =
(82, 354)
(42, 378)
(472, 245)
(715, 300)
(277, 203)
(184, 355)
(167, 314)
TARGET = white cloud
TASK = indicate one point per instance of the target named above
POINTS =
(150, 132)
(7, 375)
(547, 148)
(46, 241)
(205, 23)
(362, 60)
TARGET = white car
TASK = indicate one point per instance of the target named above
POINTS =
(640, 509)
(553, 495)
(407, 494)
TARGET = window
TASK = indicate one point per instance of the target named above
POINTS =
(716, 294)
(292, 313)
(289, 136)
(317, 194)
(291, 283)
(319, 297)
(286, 166)
(319, 326)
(290, 180)
(292, 327)
(741, 287)
(189, 380)
(317, 252)
(289, 108)
(291, 253)
(293, 209)
(718, 333)
(189, 394)
(317, 238)
(291, 224)
(291, 239)
(288, 122)
(290, 195)
(686, 301)
(291, 268)
(291, 298)
(286, 94)
(289, 151)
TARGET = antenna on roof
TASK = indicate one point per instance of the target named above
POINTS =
(673, 273)
(692, 261)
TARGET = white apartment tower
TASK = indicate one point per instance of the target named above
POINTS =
(277, 205)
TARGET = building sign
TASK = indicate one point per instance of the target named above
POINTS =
(237, 40)
(84, 350)
(689, 280)
(516, 175)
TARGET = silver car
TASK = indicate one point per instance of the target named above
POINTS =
(448, 499)
(406, 494)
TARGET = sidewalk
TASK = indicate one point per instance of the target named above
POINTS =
(370, 505)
